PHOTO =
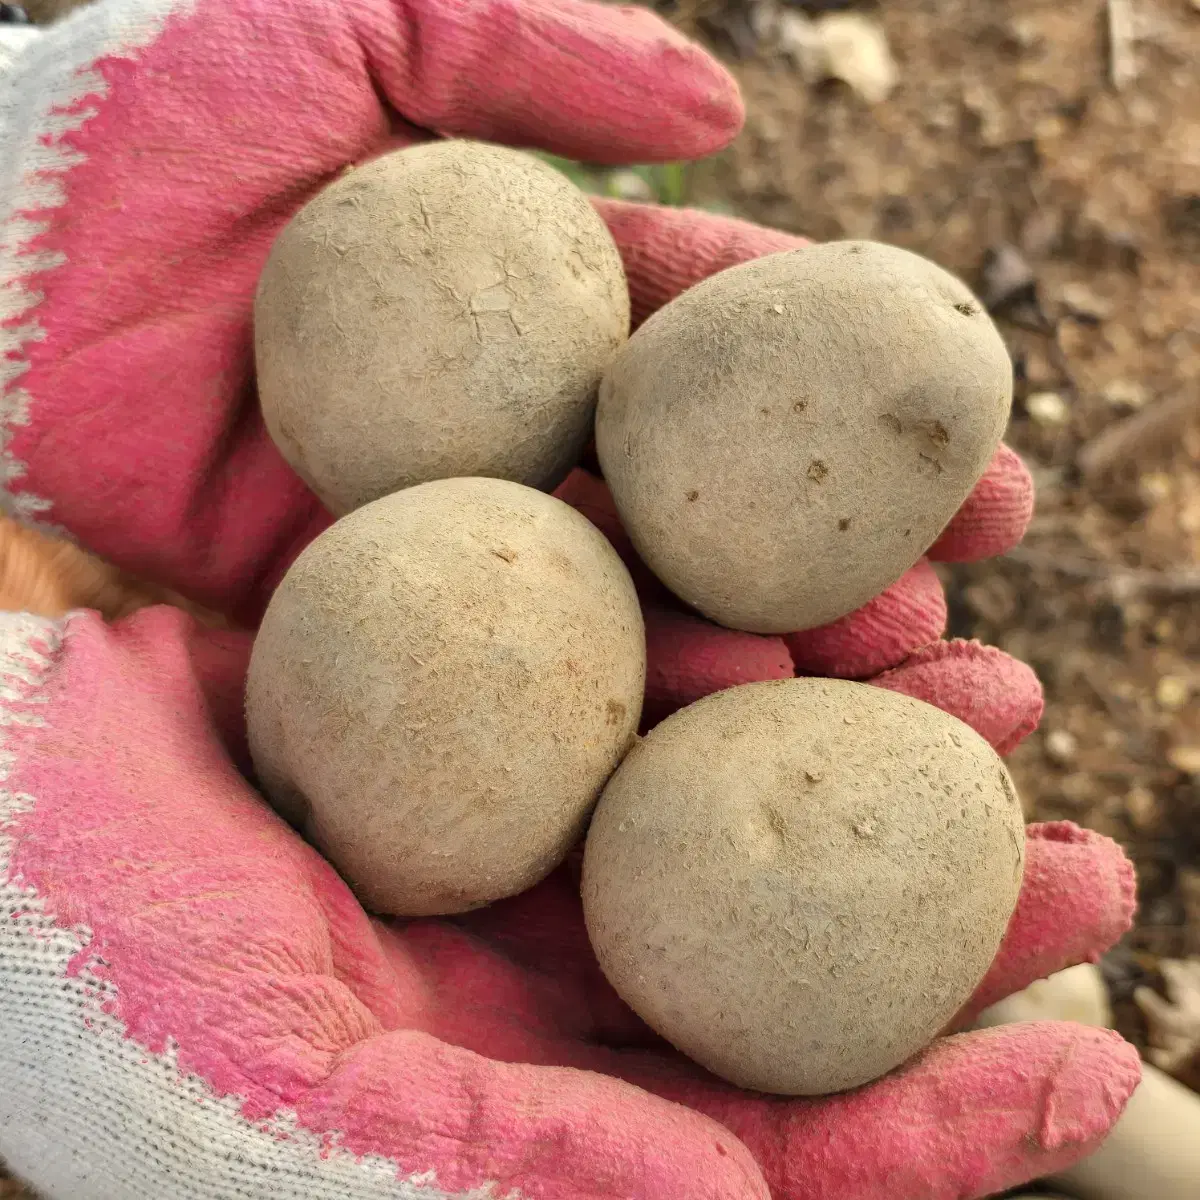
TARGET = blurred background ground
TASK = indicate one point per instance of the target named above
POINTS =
(1050, 154)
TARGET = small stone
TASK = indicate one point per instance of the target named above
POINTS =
(1080, 789)
(1049, 128)
(1135, 614)
(1082, 301)
(1172, 693)
(846, 46)
(1024, 32)
(1060, 746)
(1154, 326)
(857, 51)
(1185, 759)
(1155, 486)
(942, 116)
(799, 39)
(1142, 808)
(1047, 408)
(993, 115)
(1007, 277)
(994, 599)
(767, 128)
(1126, 393)
(629, 185)
(1143, 110)
(764, 21)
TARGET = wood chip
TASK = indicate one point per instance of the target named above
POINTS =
(1047, 408)
(1126, 440)
(1172, 693)
(1122, 64)
(1121, 583)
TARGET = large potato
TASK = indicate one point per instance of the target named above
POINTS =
(785, 439)
(445, 310)
(798, 883)
(441, 686)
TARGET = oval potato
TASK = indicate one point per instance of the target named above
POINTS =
(799, 883)
(444, 310)
(441, 685)
(784, 440)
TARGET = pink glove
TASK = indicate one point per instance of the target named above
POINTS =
(157, 149)
(889, 641)
(192, 1005)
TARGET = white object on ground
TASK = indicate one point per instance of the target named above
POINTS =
(846, 46)
(857, 53)
(1153, 1151)
(1076, 994)
(1174, 1023)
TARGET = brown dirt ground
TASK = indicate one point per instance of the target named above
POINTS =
(1007, 154)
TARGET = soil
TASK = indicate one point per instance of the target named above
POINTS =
(1057, 168)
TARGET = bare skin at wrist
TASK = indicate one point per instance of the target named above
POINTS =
(50, 577)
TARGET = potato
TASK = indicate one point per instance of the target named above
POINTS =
(441, 686)
(785, 439)
(445, 310)
(799, 883)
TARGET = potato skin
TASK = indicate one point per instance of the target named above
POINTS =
(441, 685)
(444, 310)
(799, 883)
(784, 440)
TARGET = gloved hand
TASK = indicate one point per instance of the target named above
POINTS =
(893, 642)
(153, 150)
(190, 1002)
(192, 1005)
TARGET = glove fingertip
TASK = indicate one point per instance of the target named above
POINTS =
(996, 694)
(667, 250)
(994, 517)
(974, 1115)
(1077, 900)
(1088, 862)
(880, 635)
(689, 658)
(1086, 1092)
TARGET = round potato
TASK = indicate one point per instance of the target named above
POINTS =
(799, 883)
(445, 310)
(441, 685)
(784, 440)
